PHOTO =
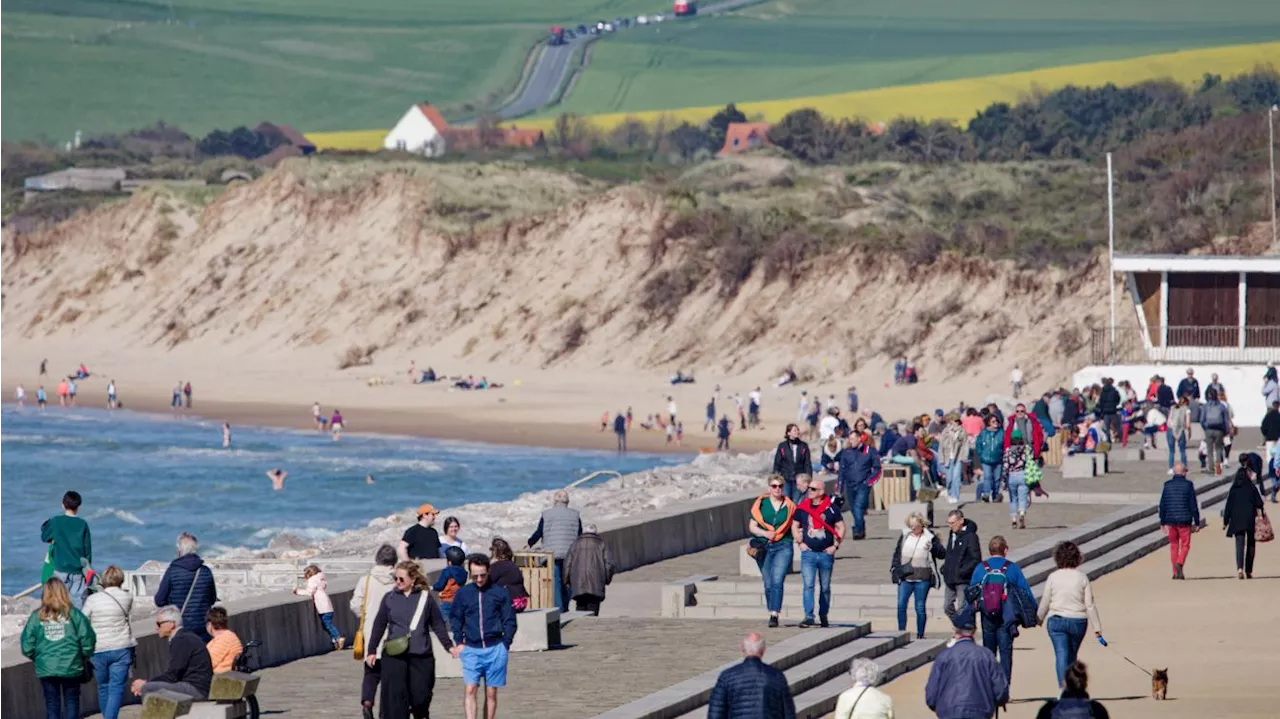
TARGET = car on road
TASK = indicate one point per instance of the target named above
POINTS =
(582, 29)
(642, 20)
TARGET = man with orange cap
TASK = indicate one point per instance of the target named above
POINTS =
(421, 541)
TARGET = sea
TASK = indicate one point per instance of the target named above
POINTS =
(145, 478)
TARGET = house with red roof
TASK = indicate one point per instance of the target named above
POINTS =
(745, 136)
(420, 131)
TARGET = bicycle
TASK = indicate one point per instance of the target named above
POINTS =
(247, 663)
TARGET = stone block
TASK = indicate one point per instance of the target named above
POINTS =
(898, 513)
(1079, 465)
(218, 710)
(446, 666)
(748, 567)
(537, 630)
(231, 686)
(165, 704)
(1134, 454)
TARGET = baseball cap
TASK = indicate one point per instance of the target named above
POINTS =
(427, 509)
(938, 412)
(964, 619)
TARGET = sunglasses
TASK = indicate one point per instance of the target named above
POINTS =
(775, 486)
(480, 575)
(815, 489)
(402, 579)
(164, 622)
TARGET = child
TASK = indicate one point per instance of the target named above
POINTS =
(1204, 456)
(679, 434)
(316, 585)
(452, 578)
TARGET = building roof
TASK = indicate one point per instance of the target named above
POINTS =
(1197, 263)
(433, 116)
(295, 138)
(737, 137)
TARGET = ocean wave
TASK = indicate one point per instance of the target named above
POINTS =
(221, 452)
(131, 540)
(120, 514)
(43, 439)
(373, 465)
(308, 533)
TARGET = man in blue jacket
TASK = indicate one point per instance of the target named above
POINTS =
(859, 466)
(965, 682)
(752, 689)
(484, 625)
(1017, 609)
(1179, 516)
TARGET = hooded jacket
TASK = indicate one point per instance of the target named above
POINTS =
(318, 589)
(60, 647)
(176, 584)
(588, 567)
(1108, 400)
(964, 553)
(790, 461)
(377, 582)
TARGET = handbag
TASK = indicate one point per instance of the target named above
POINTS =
(1262, 530)
(756, 548)
(400, 645)
(357, 642)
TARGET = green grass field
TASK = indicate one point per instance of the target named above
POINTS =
(103, 65)
(790, 48)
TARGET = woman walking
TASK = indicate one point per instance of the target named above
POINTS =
(504, 573)
(1015, 469)
(108, 614)
(59, 642)
(365, 601)
(770, 528)
(1240, 513)
(793, 462)
(914, 570)
(863, 700)
(1068, 605)
(1178, 429)
(408, 666)
(989, 448)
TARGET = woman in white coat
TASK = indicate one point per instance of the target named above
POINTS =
(108, 613)
(365, 600)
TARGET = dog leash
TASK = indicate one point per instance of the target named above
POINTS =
(1104, 643)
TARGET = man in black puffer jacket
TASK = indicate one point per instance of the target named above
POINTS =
(752, 689)
(964, 554)
(1109, 408)
(188, 584)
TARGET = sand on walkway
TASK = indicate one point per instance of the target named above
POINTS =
(1216, 635)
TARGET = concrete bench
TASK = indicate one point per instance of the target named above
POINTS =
(680, 594)
(1076, 466)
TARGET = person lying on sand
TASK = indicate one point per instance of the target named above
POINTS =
(277, 477)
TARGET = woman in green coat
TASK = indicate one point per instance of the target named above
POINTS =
(59, 641)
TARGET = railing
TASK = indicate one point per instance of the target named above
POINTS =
(1185, 344)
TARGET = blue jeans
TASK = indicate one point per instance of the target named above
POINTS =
(859, 498)
(792, 491)
(562, 592)
(111, 669)
(61, 697)
(990, 480)
(75, 587)
(820, 564)
(445, 609)
(997, 636)
(326, 620)
(1019, 493)
(953, 471)
(774, 568)
(1181, 442)
(1066, 635)
(906, 590)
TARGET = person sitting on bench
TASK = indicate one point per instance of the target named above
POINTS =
(190, 670)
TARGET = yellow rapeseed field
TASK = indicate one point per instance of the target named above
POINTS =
(368, 140)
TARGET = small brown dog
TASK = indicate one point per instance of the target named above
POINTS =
(1159, 683)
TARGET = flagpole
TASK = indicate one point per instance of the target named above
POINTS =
(1111, 254)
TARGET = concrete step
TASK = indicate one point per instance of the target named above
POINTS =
(718, 587)
(839, 614)
(830, 665)
(687, 696)
(794, 597)
(821, 700)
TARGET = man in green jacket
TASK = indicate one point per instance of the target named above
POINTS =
(72, 550)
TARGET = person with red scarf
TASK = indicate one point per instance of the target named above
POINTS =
(819, 529)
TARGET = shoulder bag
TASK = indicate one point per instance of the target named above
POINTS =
(357, 642)
(400, 645)
(191, 589)
(1262, 530)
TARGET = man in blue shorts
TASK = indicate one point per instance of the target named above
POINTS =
(484, 625)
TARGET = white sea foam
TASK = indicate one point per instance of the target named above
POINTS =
(120, 514)
(131, 540)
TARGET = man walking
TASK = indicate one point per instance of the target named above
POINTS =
(484, 625)
(818, 528)
(620, 429)
(859, 469)
(1015, 381)
(752, 689)
(964, 553)
(1109, 408)
(1179, 516)
(557, 528)
(1215, 420)
(1002, 597)
(965, 682)
(72, 550)
(710, 424)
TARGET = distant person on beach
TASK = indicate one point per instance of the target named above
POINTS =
(72, 547)
(226, 434)
(368, 479)
(557, 528)
(64, 391)
(44, 367)
(59, 641)
(421, 541)
(620, 425)
(679, 434)
(317, 587)
(710, 424)
(316, 418)
(176, 401)
(484, 625)
(450, 537)
(189, 669)
(413, 372)
(42, 400)
(190, 584)
(751, 689)
(108, 613)
(111, 395)
(71, 392)
(225, 645)
(726, 429)
(588, 569)
(336, 423)
(186, 392)
(671, 409)
(20, 395)
(277, 477)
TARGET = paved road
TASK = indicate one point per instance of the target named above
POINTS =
(553, 65)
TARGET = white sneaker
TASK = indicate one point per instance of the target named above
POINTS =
(952, 500)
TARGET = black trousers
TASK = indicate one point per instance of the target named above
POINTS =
(369, 684)
(588, 603)
(1245, 547)
(407, 683)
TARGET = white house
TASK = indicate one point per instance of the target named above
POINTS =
(421, 131)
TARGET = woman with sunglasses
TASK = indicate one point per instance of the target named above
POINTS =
(989, 448)
(770, 528)
(408, 666)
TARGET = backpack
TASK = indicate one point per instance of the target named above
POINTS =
(995, 589)
(1072, 708)
(1214, 416)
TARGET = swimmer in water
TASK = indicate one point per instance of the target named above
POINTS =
(368, 479)
(226, 434)
(277, 477)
